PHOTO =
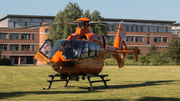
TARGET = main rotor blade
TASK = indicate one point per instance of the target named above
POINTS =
(48, 24)
(96, 22)
(102, 23)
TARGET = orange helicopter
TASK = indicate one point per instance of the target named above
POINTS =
(83, 53)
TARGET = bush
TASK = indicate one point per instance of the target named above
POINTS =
(132, 48)
(131, 57)
(144, 59)
(159, 58)
(109, 56)
(111, 61)
(5, 61)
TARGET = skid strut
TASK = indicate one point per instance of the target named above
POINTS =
(101, 76)
(62, 78)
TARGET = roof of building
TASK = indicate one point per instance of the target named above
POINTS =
(176, 24)
(137, 20)
(26, 16)
(105, 19)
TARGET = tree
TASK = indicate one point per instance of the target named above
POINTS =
(71, 13)
(174, 50)
(87, 14)
(132, 48)
(98, 29)
(111, 43)
(152, 50)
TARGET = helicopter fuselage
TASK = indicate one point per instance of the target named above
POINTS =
(80, 53)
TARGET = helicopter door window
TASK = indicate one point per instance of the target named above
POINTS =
(85, 50)
(46, 48)
(92, 50)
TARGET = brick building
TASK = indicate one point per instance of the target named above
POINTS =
(176, 30)
(21, 44)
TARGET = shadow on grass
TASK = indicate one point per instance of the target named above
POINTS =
(150, 83)
(141, 99)
(19, 94)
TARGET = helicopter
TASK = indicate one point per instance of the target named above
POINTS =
(83, 53)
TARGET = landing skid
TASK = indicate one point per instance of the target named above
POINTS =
(102, 80)
(62, 78)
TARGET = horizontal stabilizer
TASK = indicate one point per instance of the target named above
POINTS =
(118, 54)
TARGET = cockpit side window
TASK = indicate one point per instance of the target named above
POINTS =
(92, 50)
(72, 50)
(85, 50)
(56, 47)
(97, 49)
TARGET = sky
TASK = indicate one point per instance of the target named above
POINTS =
(168, 10)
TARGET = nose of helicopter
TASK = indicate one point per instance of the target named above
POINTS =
(55, 61)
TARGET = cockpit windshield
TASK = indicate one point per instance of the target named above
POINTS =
(72, 49)
(56, 47)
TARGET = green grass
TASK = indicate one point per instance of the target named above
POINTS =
(138, 83)
(132, 62)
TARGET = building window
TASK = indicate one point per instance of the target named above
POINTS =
(14, 36)
(141, 28)
(166, 29)
(110, 38)
(3, 36)
(173, 31)
(129, 38)
(112, 29)
(25, 23)
(148, 28)
(132, 28)
(164, 39)
(32, 47)
(127, 28)
(33, 36)
(25, 47)
(14, 24)
(3, 47)
(46, 30)
(148, 39)
(14, 47)
(157, 29)
(25, 36)
(157, 39)
(178, 31)
(139, 39)
(137, 28)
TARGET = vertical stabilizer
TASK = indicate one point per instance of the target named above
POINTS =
(121, 34)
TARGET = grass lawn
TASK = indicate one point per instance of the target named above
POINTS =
(138, 83)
